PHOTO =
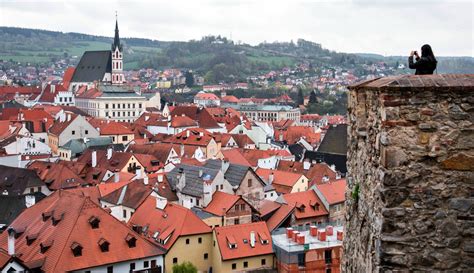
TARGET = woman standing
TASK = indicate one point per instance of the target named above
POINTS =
(424, 65)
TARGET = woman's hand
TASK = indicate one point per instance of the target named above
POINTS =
(412, 53)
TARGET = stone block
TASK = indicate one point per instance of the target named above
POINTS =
(459, 162)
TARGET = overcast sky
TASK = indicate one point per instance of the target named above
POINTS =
(388, 27)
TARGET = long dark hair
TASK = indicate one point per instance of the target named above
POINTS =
(427, 52)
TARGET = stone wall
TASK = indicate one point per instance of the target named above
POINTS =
(410, 179)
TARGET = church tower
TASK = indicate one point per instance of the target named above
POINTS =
(117, 58)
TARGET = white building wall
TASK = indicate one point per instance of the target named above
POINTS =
(27, 145)
(124, 267)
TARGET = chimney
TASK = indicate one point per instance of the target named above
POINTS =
(94, 158)
(53, 88)
(68, 117)
(161, 202)
(289, 233)
(181, 152)
(333, 167)
(252, 238)
(313, 230)
(160, 177)
(329, 230)
(11, 241)
(300, 239)
(201, 134)
(306, 164)
(340, 235)
(109, 153)
(116, 177)
(30, 200)
(200, 173)
(145, 180)
(270, 178)
(138, 171)
(187, 133)
(295, 235)
(225, 165)
(321, 235)
(147, 118)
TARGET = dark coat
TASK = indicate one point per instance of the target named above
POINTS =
(423, 65)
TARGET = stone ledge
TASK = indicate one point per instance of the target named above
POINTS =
(444, 82)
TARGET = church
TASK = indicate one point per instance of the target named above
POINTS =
(101, 66)
(100, 88)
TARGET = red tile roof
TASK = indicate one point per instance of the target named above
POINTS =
(114, 128)
(235, 157)
(283, 178)
(170, 223)
(160, 150)
(230, 99)
(71, 214)
(221, 202)
(306, 204)
(67, 77)
(236, 234)
(131, 195)
(333, 191)
(195, 137)
(206, 96)
(281, 214)
(199, 114)
(58, 127)
(57, 176)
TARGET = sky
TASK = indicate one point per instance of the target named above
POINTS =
(387, 27)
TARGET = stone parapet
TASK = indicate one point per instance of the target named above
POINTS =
(410, 175)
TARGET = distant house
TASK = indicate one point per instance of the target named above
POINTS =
(229, 209)
(207, 99)
(75, 147)
(284, 182)
(177, 230)
(332, 194)
(69, 127)
(20, 181)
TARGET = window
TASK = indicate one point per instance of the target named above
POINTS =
(175, 260)
(113, 105)
(132, 266)
(234, 266)
(106, 106)
(200, 240)
(124, 138)
(242, 206)
(246, 264)
(327, 256)
(118, 105)
(236, 207)
(206, 256)
(217, 187)
(110, 269)
(249, 182)
(301, 259)
(139, 105)
(87, 132)
(264, 262)
(187, 241)
(328, 270)
(236, 221)
(146, 264)
(222, 187)
(73, 132)
(124, 214)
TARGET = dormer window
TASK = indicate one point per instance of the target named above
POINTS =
(263, 239)
(44, 246)
(30, 238)
(46, 215)
(94, 222)
(131, 240)
(76, 249)
(56, 219)
(231, 242)
(104, 245)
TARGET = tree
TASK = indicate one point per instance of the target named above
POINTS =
(186, 267)
(189, 78)
(300, 100)
(312, 97)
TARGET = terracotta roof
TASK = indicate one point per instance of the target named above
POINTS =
(160, 150)
(114, 128)
(279, 216)
(62, 221)
(58, 127)
(236, 234)
(131, 195)
(206, 96)
(170, 223)
(288, 179)
(118, 160)
(333, 191)
(57, 176)
(306, 204)
(221, 202)
(67, 77)
(293, 134)
(199, 114)
(106, 188)
(49, 92)
(195, 137)
(235, 156)
(230, 99)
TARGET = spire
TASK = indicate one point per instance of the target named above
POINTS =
(116, 38)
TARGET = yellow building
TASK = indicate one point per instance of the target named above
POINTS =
(178, 230)
(242, 248)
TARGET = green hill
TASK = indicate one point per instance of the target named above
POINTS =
(216, 57)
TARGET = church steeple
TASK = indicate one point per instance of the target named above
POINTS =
(116, 38)
(117, 58)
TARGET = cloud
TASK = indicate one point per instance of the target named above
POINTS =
(383, 26)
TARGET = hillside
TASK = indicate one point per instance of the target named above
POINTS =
(215, 57)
